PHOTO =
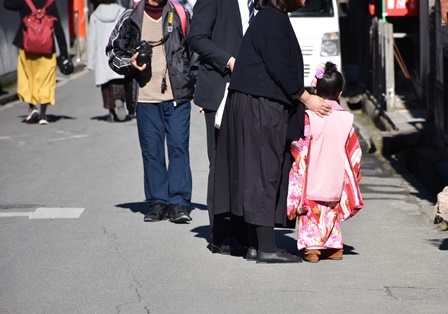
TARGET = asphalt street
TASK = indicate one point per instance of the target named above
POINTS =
(73, 239)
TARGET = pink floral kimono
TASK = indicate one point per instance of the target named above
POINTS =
(318, 221)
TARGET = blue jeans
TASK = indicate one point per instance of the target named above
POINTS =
(155, 123)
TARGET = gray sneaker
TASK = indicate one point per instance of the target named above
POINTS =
(120, 110)
(179, 214)
(157, 212)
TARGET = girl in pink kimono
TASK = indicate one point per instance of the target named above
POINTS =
(324, 179)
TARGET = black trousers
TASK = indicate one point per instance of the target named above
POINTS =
(212, 136)
(224, 225)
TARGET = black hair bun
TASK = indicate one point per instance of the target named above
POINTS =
(330, 67)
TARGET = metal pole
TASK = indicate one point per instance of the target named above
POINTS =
(77, 47)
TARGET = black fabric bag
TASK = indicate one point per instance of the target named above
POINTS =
(65, 65)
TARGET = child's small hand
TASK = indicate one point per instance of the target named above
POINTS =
(301, 211)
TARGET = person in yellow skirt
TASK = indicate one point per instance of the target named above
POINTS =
(36, 73)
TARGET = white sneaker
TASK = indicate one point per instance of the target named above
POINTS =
(43, 120)
(33, 116)
(120, 110)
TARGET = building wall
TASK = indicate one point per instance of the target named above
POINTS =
(440, 110)
(441, 41)
(10, 24)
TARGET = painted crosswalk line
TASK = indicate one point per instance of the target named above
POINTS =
(48, 213)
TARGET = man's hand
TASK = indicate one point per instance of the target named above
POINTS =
(231, 64)
(134, 63)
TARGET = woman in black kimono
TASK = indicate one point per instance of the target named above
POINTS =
(266, 88)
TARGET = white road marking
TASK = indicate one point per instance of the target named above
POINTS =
(68, 138)
(47, 213)
(3, 215)
(52, 213)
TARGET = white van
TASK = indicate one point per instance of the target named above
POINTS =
(317, 29)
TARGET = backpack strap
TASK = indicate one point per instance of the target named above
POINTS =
(182, 15)
(49, 2)
(179, 9)
(33, 7)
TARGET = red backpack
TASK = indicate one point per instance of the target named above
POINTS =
(38, 32)
(182, 15)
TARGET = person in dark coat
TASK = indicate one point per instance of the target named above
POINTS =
(217, 28)
(36, 73)
(266, 87)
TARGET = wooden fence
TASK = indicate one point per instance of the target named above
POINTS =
(382, 65)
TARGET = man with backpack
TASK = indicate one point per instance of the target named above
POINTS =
(149, 47)
(36, 70)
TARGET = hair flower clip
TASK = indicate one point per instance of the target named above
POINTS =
(320, 71)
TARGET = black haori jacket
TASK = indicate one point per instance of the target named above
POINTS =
(126, 37)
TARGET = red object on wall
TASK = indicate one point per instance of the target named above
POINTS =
(402, 7)
(371, 7)
(71, 19)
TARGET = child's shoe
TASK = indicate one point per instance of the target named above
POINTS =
(312, 256)
(335, 254)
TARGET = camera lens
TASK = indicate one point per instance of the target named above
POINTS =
(142, 59)
(144, 54)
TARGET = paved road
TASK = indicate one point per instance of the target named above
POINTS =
(73, 238)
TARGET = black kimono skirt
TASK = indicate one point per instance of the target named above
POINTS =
(250, 161)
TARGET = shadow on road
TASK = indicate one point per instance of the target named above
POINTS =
(199, 206)
(441, 244)
(142, 207)
(202, 232)
(283, 239)
(137, 207)
(349, 250)
(51, 118)
(104, 118)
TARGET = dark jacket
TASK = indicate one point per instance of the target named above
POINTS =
(269, 62)
(215, 35)
(24, 10)
(126, 37)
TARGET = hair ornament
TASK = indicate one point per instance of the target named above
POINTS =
(320, 71)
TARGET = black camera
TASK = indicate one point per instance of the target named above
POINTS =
(144, 54)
